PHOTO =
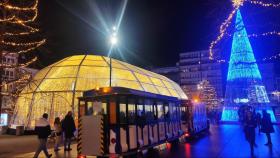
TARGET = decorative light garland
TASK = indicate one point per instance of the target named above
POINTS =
(28, 63)
(263, 4)
(10, 7)
(223, 27)
(23, 44)
(14, 18)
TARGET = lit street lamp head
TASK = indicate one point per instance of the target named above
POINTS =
(113, 40)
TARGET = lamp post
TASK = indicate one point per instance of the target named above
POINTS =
(113, 43)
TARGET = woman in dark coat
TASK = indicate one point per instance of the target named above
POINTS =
(68, 127)
(249, 127)
(266, 126)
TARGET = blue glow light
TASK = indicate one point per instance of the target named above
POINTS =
(230, 114)
(242, 62)
(244, 81)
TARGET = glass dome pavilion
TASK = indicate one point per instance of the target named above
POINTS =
(55, 89)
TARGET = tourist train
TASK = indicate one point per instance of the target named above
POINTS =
(117, 120)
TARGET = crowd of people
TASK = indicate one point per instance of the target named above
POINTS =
(252, 120)
(63, 130)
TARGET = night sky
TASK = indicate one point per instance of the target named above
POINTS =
(152, 32)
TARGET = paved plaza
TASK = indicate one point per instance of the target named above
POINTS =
(223, 141)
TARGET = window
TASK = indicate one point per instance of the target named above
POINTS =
(155, 112)
(149, 110)
(122, 113)
(104, 107)
(167, 112)
(89, 108)
(140, 111)
(131, 111)
(160, 110)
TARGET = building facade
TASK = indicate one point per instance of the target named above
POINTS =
(195, 67)
(8, 75)
(11, 73)
(172, 73)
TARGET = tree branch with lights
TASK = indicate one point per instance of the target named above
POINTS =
(18, 35)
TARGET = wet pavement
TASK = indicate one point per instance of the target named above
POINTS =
(226, 141)
(223, 141)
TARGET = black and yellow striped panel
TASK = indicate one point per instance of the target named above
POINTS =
(102, 145)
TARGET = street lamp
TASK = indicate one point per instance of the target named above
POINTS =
(113, 42)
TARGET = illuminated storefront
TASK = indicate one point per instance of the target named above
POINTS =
(55, 89)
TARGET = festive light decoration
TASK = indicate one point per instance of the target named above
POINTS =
(242, 61)
(237, 3)
(244, 81)
(207, 94)
(223, 29)
(56, 85)
(19, 30)
(224, 26)
(263, 4)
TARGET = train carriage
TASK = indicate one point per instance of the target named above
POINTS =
(120, 121)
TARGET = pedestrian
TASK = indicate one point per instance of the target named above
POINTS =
(68, 128)
(43, 130)
(258, 119)
(266, 126)
(57, 133)
(249, 128)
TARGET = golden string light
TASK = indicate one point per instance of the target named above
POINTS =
(237, 3)
(263, 4)
(30, 49)
(22, 79)
(14, 18)
(277, 56)
(10, 7)
(265, 34)
(223, 27)
(254, 35)
(29, 62)
(7, 19)
(23, 44)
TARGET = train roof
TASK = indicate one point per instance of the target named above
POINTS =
(107, 91)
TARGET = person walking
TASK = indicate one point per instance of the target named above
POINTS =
(249, 128)
(68, 128)
(57, 133)
(266, 126)
(258, 119)
(43, 130)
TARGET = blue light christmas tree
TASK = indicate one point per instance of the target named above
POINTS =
(244, 81)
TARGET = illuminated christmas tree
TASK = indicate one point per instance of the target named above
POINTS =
(18, 37)
(244, 81)
(207, 94)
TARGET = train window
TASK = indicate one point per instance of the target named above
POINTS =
(89, 110)
(167, 112)
(172, 110)
(104, 107)
(131, 111)
(95, 108)
(155, 112)
(140, 110)
(122, 113)
(160, 110)
(149, 110)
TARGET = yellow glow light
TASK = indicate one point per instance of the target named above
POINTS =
(237, 3)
